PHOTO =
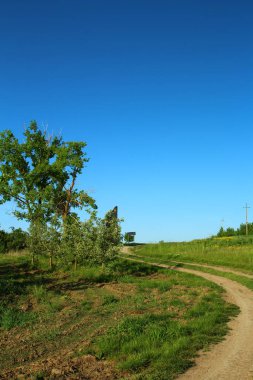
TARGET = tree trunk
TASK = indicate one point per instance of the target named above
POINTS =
(75, 263)
(51, 261)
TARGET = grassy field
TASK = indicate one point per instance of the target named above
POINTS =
(129, 321)
(233, 252)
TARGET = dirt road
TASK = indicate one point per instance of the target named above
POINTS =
(232, 359)
(216, 267)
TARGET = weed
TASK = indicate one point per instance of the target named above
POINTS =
(39, 293)
(109, 299)
(11, 317)
(86, 305)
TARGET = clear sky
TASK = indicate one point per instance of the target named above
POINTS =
(160, 90)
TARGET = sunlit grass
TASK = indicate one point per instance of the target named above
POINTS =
(236, 252)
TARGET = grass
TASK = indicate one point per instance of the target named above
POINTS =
(148, 323)
(158, 344)
(248, 282)
(11, 317)
(233, 252)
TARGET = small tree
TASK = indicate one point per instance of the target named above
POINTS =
(79, 240)
(35, 240)
(108, 238)
(221, 232)
(129, 237)
(52, 240)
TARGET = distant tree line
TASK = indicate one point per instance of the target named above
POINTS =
(15, 240)
(235, 232)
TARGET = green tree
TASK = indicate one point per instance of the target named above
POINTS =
(35, 240)
(51, 240)
(108, 237)
(128, 237)
(16, 239)
(94, 241)
(221, 232)
(40, 174)
(3, 241)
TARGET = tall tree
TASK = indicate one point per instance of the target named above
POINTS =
(40, 174)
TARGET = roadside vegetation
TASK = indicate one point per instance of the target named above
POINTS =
(128, 320)
(233, 252)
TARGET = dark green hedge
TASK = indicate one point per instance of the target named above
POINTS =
(14, 240)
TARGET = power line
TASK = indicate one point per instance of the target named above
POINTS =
(246, 208)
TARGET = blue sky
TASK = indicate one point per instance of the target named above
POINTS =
(162, 93)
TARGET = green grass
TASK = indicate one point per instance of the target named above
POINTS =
(234, 252)
(147, 322)
(248, 282)
(11, 317)
(159, 346)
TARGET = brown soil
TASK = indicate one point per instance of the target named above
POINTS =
(63, 367)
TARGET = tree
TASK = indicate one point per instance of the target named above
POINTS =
(35, 241)
(78, 243)
(16, 239)
(221, 232)
(129, 237)
(3, 241)
(108, 237)
(51, 239)
(40, 174)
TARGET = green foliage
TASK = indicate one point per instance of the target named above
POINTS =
(78, 243)
(128, 237)
(95, 241)
(39, 293)
(108, 238)
(236, 232)
(234, 251)
(11, 317)
(158, 345)
(40, 173)
(109, 299)
(3, 241)
(15, 240)
(35, 241)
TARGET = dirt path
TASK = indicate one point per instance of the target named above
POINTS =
(232, 359)
(128, 251)
(216, 267)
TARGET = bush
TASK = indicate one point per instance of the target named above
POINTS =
(13, 241)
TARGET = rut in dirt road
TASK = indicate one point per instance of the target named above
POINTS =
(216, 267)
(232, 359)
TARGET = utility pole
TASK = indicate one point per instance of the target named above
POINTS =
(246, 208)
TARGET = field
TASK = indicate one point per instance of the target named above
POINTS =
(233, 252)
(128, 321)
